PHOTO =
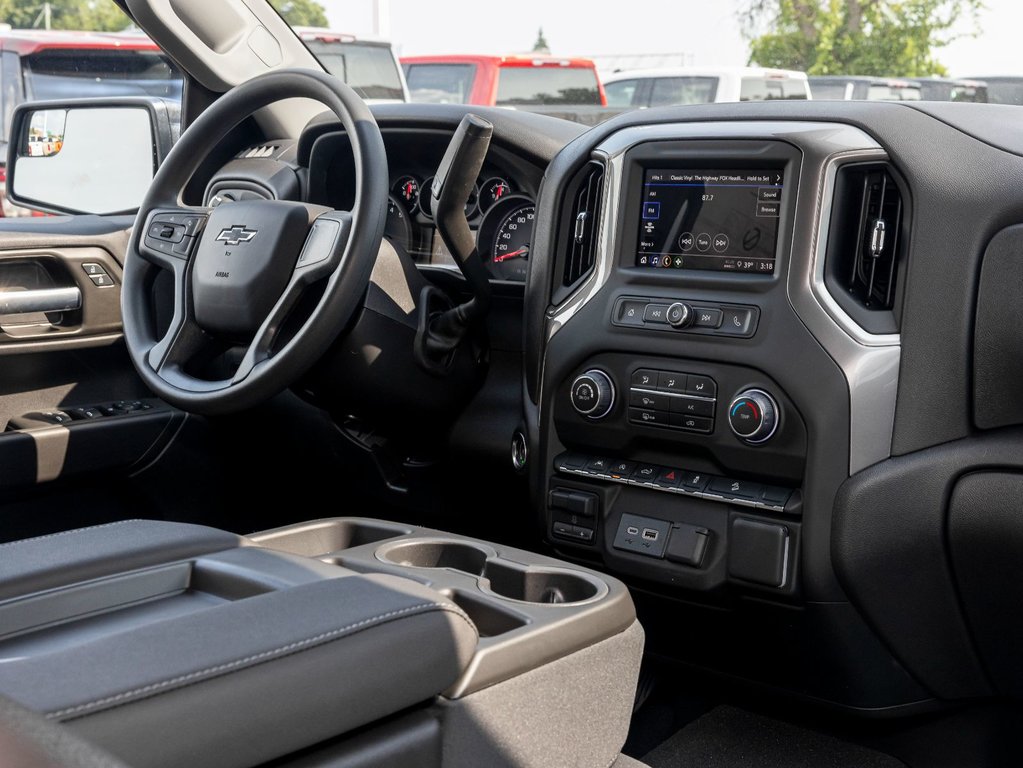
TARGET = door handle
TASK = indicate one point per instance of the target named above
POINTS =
(42, 300)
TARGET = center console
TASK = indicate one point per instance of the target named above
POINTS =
(696, 399)
(350, 641)
(675, 451)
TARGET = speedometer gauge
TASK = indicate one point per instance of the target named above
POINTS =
(504, 238)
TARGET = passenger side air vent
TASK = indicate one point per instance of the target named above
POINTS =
(578, 239)
(867, 245)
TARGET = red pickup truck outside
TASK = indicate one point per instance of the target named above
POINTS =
(505, 81)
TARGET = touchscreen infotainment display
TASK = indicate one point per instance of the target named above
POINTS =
(724, 220)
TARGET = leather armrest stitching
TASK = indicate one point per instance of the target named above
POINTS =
(165, 686)
(68, 533)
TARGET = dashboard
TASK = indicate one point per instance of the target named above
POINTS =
(759, 349)
(500, 210)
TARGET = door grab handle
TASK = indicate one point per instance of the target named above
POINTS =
(43, 300)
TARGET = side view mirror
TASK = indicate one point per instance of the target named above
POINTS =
(88, 155)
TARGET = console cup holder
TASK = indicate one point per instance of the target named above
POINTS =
(539, 585)
(322, 537)
(503, 578)
(431, 553)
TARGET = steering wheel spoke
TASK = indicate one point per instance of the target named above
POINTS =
(183, 338)
(320, 257)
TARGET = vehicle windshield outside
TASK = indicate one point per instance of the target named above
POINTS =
(547, 85)
(440, 83)
(667, 91)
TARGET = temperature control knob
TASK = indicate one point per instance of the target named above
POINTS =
(593, 394)
(680, 315)
(753, 416)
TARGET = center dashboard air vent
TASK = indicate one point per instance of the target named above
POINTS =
(577, 239)
(867, 245)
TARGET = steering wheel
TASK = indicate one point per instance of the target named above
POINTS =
(239, 270)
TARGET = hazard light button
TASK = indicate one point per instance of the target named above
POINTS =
(670, 478)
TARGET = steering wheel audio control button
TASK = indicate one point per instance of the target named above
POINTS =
(753, 416)
(593, 394)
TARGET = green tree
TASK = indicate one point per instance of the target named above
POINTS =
(94, 15)
(897, 38)
(301, 13)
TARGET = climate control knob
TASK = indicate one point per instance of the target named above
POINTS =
(680, 315)
(753, 416)
(593, 394)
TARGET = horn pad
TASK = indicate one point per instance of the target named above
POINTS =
(243, 263)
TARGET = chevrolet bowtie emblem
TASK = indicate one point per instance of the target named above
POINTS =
(236, 235)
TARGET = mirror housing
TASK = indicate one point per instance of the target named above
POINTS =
(88, 156)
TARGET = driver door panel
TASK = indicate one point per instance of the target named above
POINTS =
(72, 410)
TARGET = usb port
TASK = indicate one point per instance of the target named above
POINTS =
(632, 530)
(650, 534)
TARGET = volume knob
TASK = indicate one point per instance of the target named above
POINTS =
(679, 315)
(753, 416)
(593, 394)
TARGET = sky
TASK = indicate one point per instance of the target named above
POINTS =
(698, 32)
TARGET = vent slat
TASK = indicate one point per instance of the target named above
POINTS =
(870, 266)
(584, 224)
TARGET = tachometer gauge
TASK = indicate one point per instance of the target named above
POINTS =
(406, 189)
(493, 191)
(397, 226)
(504, 238)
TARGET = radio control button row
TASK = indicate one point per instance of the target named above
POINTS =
(684, 316)
(726, 490)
